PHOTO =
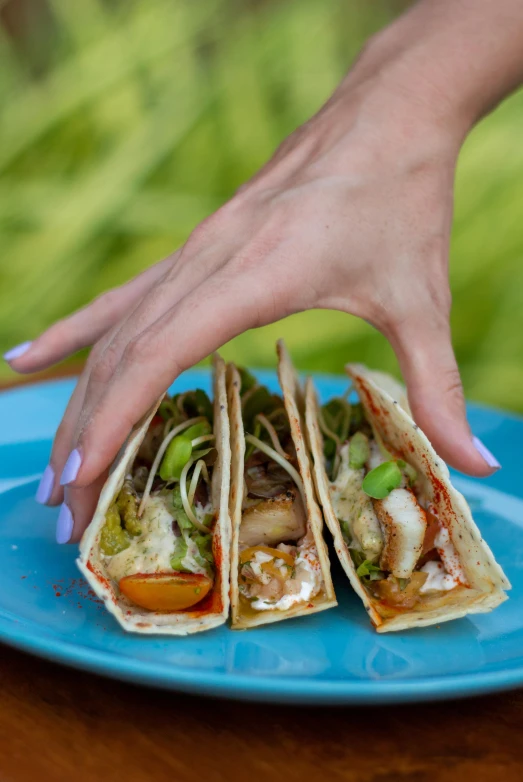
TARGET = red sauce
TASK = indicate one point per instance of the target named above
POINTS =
(102, 579)
(212, 603)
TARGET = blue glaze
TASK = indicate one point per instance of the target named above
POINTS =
(332, 657)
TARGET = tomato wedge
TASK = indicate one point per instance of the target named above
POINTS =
(165, 591)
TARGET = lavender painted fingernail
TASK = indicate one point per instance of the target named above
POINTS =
(486, 454)
(64, 525)
(71, 467)
(45, 487)
(17, 351)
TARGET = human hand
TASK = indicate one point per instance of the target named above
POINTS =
(352, 213)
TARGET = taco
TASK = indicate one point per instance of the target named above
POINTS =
(157, 550)
(279, 562)
(403, 534)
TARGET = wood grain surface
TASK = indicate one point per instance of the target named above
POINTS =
(61, 725)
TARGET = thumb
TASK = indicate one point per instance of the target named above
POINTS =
(436, 396)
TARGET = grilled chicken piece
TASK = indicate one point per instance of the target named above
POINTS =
(404, 523)
(273, 521)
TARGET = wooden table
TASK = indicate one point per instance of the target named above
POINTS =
(59, 724)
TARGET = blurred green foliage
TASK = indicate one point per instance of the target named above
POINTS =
(125, 123)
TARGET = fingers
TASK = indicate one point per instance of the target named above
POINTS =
(137, 307)
(214, 313)
(49, 491)
(69, 528)
(194, 267)
(86, 326)
(197, 262)
(428, 364)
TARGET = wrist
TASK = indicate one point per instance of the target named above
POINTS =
(402, 78)
(451, 61)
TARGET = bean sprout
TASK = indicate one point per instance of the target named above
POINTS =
(203, 439)
(185, 500)
(272, 434)
(159, 456)
(261, 446)
(201, 467)
(247, 395)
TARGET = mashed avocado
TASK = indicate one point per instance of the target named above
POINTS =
(113, 538)
(128, 506)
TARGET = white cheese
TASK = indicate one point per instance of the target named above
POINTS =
(151, 551)
(438, 580)
(190, 560)
(201, 512)
(305, 584)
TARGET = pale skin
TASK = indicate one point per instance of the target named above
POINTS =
(352, 213)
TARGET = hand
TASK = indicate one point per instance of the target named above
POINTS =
(352, 213)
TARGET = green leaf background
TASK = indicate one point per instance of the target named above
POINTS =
(123, 124)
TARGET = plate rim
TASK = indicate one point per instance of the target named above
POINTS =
(250, 687)
(264, 688)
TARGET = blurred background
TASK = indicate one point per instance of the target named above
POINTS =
(124, 123)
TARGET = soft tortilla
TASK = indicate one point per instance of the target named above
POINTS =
(326, 598)
(215, 609)
(390, 417)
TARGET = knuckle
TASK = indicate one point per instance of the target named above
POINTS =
(201, 234)
(137, 350)
(94, 356)
(62, 440)
(452, 385)
(106, 301)
(102, 371)
(259, 249)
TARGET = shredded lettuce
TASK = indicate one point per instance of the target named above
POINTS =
(365, 568)
(204, 544)
(179, 554)
(181, 517)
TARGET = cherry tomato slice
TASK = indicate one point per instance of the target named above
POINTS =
(165, 591)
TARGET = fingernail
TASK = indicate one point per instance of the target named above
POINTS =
(17, 351)
(71, 467)
(45, 487)
(64, 525)
(486, 454)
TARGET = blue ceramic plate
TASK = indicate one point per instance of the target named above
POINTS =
(333, 657)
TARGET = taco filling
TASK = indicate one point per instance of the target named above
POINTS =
(278, 564)
(157, 539)
(402, 553)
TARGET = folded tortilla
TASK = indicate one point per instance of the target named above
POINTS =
(214, 608)
(475, 582)
(311, 546)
